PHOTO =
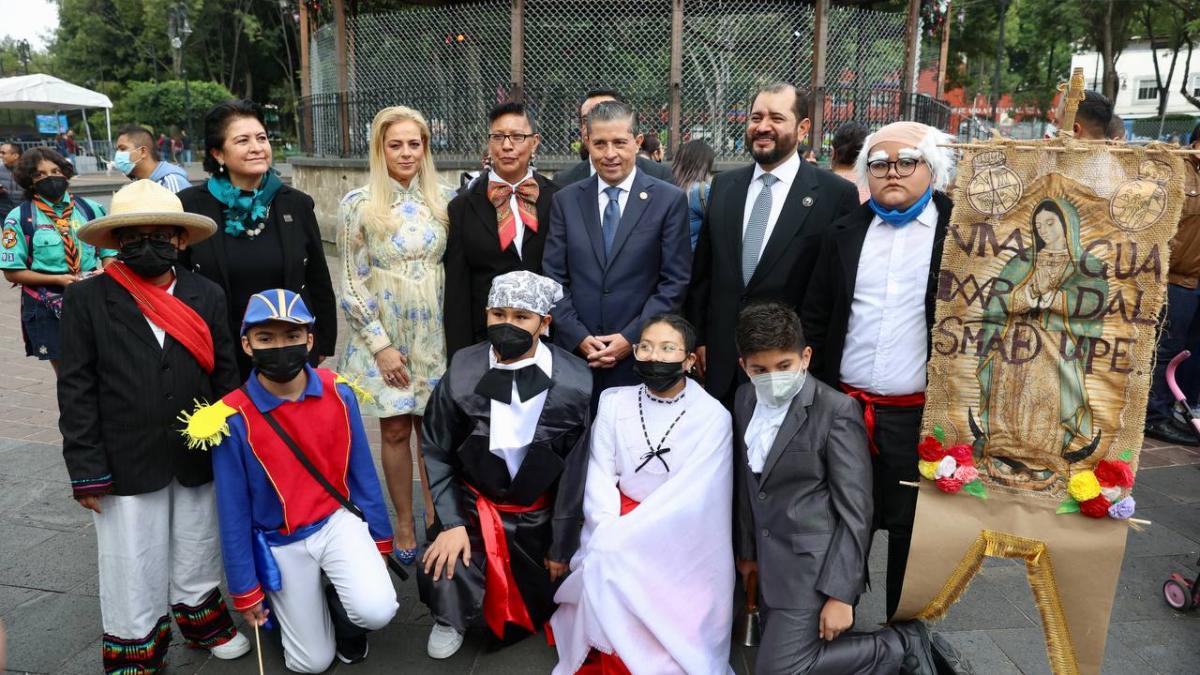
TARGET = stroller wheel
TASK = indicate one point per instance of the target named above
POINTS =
(1177, 595)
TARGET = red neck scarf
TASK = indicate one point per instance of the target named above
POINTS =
(499, 194)
(167, 312)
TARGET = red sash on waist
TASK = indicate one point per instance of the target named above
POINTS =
(502, 601)
(168, 313)
(869, 401)
(627, 504)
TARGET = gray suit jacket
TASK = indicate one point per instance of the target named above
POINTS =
(581, 171)
(806, 518)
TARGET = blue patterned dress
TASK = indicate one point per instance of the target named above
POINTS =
(391, 292)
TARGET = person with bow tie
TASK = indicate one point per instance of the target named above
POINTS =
(497, 225)
(506, 454)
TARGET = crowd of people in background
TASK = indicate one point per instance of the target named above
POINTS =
(625, 386)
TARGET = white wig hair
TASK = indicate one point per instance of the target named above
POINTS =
(931, 148)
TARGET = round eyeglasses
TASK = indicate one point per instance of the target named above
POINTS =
(905, 166)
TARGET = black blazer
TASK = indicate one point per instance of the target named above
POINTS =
(120, 394)
(827, 306)
(473, 258)
(305, 269)
(807, 517)
(583, 170)
(816, 198)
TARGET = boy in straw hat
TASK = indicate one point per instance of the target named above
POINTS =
(140, 343)
(297, 494)
(505, 448)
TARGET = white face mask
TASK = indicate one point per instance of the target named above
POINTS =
(778, 388)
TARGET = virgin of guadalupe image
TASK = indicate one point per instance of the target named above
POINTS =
(1034, 416)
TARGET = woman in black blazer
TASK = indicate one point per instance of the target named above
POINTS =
(474, 255)
(267, 234)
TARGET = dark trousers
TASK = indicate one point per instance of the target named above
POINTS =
(1179, 330)
(897, 431)
(791, 645)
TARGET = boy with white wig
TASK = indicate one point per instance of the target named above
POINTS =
(872, 341)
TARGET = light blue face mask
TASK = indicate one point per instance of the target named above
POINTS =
(122, 162)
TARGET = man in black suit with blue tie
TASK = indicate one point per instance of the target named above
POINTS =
(620, 247)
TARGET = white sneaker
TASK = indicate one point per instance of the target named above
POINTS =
(444, 642)
(237, 646)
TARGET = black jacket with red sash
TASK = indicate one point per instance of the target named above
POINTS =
(120, 394)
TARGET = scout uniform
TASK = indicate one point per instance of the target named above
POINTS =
(280, 528)
(48, 242)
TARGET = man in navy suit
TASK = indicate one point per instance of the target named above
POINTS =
(619, 245)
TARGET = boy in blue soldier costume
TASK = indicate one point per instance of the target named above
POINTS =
(281, 525)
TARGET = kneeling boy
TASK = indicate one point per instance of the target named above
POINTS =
(297, 494)
(803, 510)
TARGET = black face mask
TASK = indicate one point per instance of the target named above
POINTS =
(509, 341)
(149, 258)
(51, 187)
(281, 364)
(659, 375)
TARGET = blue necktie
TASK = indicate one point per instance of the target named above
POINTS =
(612, 218)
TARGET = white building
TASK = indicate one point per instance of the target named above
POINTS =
(1137, 94)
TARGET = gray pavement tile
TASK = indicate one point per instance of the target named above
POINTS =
(1025, 647)
(60, 563)
(985, 605)
(1155, 541)
(1182, 484)
(54, 509)
(401, 649)
(531, 655)
(1149, 497)
(1121, 658)
(86, 661)
(33, 460)
(12, 597)
(17, 492)
(272, 656)
(18, 537)
(1169, 645)
(51, 629)
(1139, 591)
(1184, 519)
(981, 652)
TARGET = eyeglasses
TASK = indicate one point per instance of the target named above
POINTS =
(516, 139)
(160, 236)
(905, 166)
(644, 350)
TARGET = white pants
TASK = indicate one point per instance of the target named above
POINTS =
(345, 551)
(155, 550)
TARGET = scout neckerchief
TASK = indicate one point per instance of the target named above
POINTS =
(500, 193)
(63, 225)
(169, 313)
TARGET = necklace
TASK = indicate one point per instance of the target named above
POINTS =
(655, 452)
(257, 229)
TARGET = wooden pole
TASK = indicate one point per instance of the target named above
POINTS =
(343, 75)
(945, 54)
(305, 83)
(912, 45)
(675, 113)
(819, 50)
(517, 67)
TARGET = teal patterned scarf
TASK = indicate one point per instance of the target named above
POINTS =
(244, 210)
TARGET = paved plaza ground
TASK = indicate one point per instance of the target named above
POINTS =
(48, 593)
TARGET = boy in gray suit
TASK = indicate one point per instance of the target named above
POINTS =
(803, 510)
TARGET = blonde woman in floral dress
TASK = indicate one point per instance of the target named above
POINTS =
(391, 239)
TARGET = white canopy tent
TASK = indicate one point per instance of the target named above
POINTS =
(45, 92)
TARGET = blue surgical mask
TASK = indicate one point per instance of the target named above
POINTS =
(123, 163)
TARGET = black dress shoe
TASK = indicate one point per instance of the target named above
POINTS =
(918, 650)
(1169, 432)
(353, 650)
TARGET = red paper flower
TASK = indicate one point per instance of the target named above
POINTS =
(962, 455)
(953, 485)
(1114, 474)
(1096, 507)
(931, 450)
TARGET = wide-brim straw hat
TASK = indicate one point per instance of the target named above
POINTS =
(141, 203)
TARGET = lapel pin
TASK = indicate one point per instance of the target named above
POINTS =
(807, 201)
(643, 196)
(287, 217)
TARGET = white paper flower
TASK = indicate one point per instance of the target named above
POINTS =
(946, 467)
(1112, 494)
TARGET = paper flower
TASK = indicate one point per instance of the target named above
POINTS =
(1123, 509)
(1084, 486)
(950, 485)
(946, 467)
(206, 426)
(1114, 474)
(928, 469)
(1096, 507)
(1112, 494)
(931, 450)
(966, 473)
(961, 454)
